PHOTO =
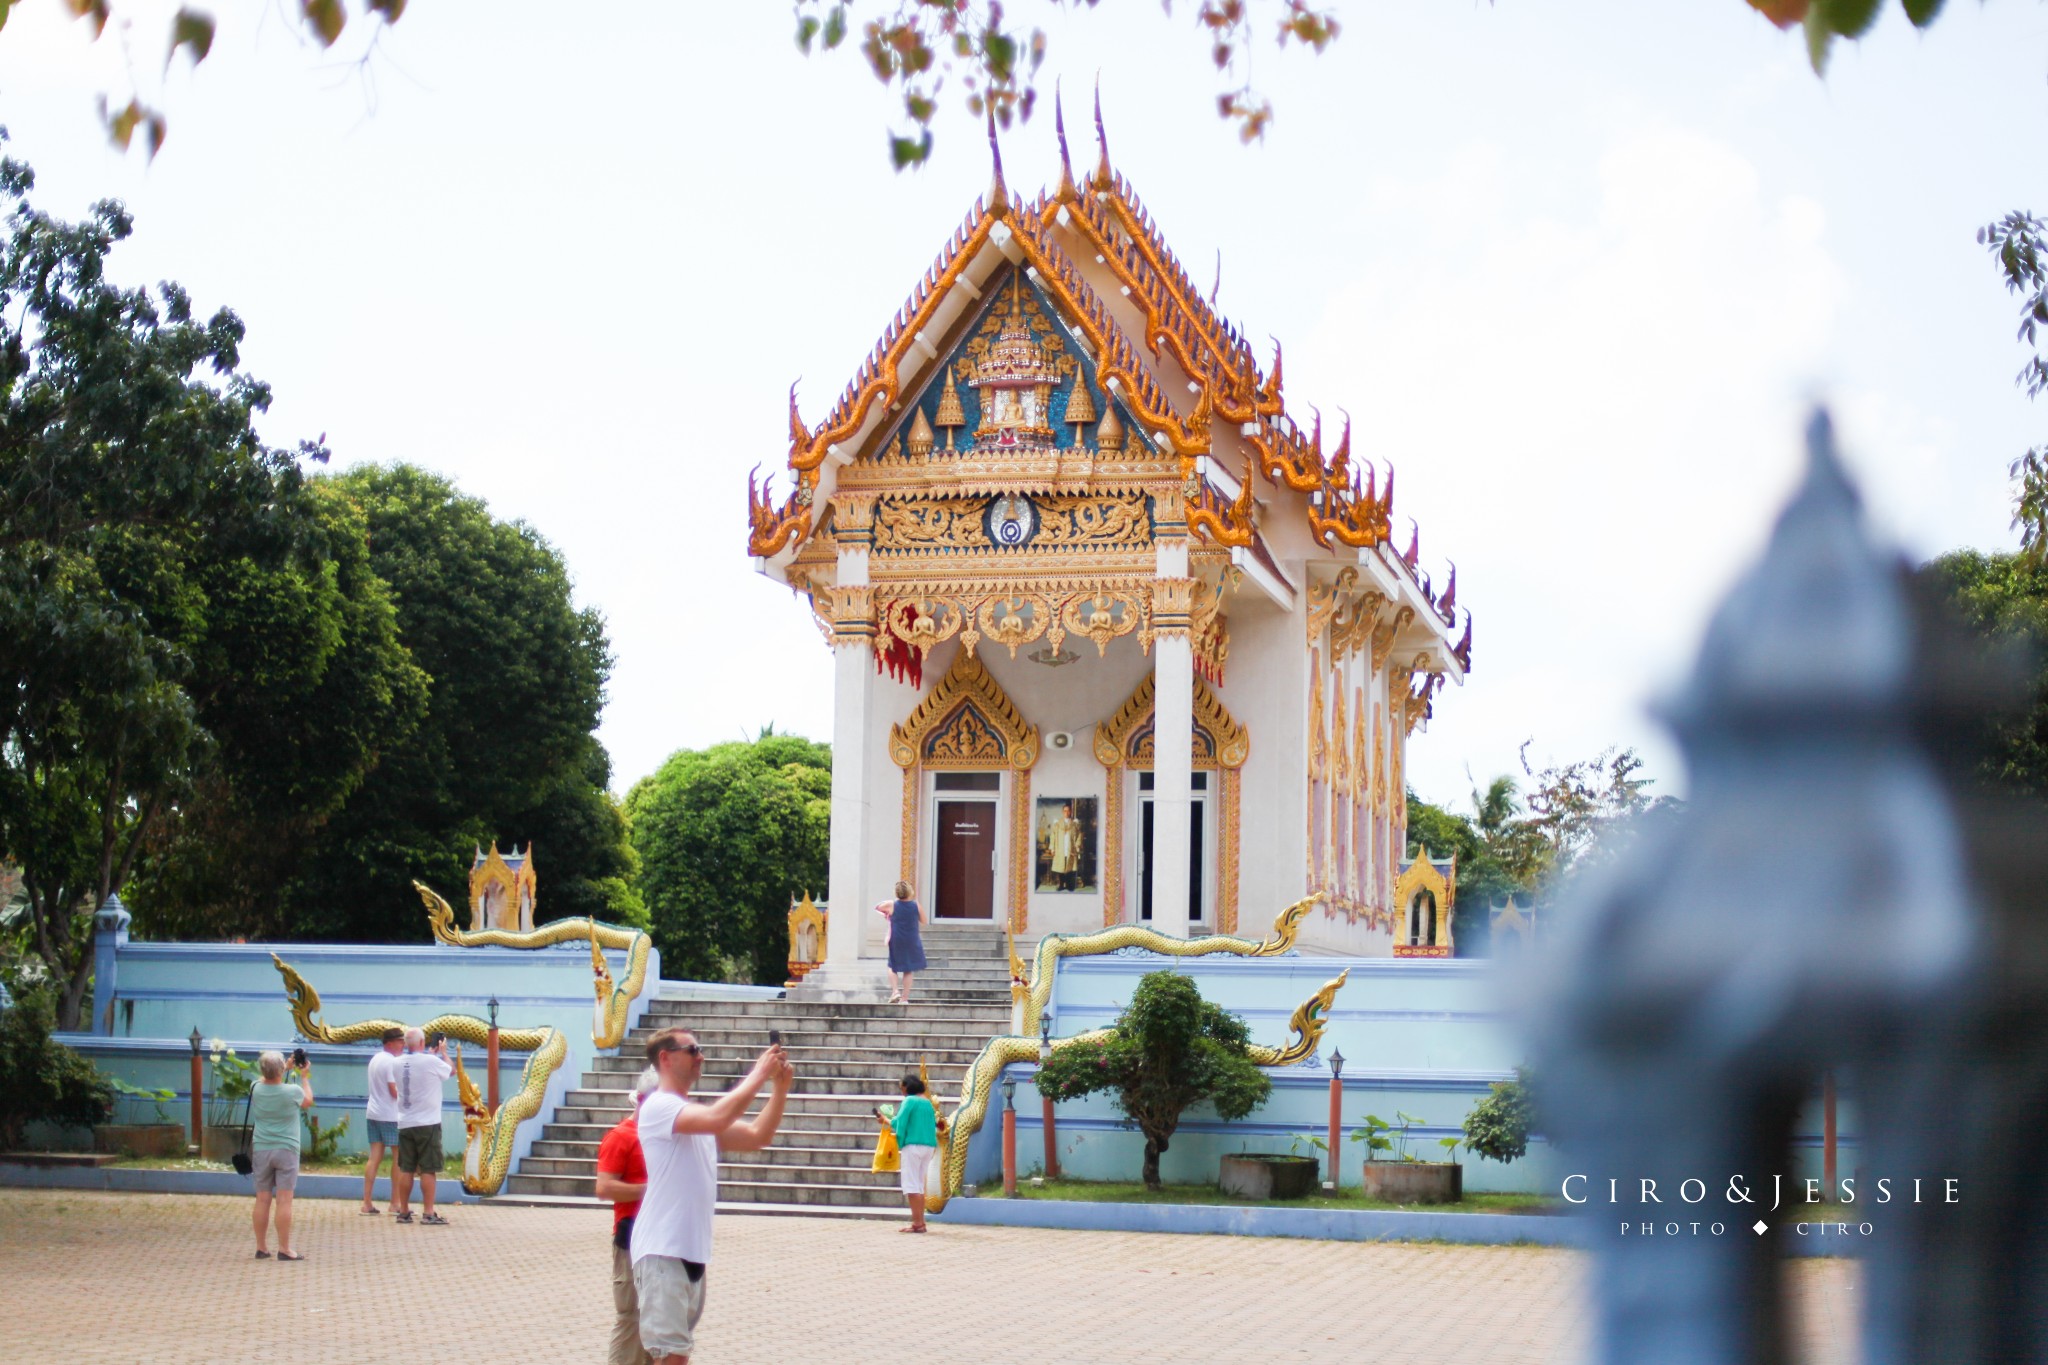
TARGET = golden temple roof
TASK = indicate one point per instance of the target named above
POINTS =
(1347, 506)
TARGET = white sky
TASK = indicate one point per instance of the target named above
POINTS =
(1574, 266)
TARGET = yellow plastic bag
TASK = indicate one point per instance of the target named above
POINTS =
(887, 1156)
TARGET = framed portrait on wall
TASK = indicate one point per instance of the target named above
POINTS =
(1067, 836)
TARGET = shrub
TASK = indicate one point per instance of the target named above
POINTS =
(1498, 1125)
(1168, 1051)
(41, 1079)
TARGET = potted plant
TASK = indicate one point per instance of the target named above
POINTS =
(231, 1080)
(1405, 1178)
(1292, 1174)
(155, 1135)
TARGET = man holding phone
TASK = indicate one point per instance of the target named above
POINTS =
(680, 1140)
(419, 1075)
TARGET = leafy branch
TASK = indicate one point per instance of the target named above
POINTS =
(2016, 242)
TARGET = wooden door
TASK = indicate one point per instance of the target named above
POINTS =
(967, 861)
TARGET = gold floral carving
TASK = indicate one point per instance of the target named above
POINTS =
(1023, 850)
(1112, 843)
(1103, 616)
(1078, 521)
(1383, 636)
(922, 614)
(1316, 756)
(1379, 764)
(1220, 741)
(997, 736)
(913, 777)
(943, 522)
(1173, 603)
(853, 615)
(1016, 620)
(1351, 627)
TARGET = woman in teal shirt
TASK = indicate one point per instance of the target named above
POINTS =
(274, 1108)
(917, 1138)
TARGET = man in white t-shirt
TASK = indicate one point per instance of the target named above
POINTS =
(382, 1112)
(418, 1076)
(680, 1140)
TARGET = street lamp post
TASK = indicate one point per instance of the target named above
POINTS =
(1336, 1115)
(1009, 1139)
(491, 1058)
(1052, 1149)
(198, 1088)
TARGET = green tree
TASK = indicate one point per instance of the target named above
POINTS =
(1168, 1051)
(129, 473)
(2004, 598)
(505, 747)
(42, 1080)
(302, 681)
(726, 836)
(1498, 1125)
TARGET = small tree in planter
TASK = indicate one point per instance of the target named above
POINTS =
(1167, 1052)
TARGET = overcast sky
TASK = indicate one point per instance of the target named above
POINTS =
(1574, 266)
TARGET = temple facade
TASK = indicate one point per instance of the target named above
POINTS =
(1062, 511)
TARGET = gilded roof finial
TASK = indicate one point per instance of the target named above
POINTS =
(1105, 179)
(951, 414)
(1109, 435)
(1080, 404)
(998, 192)
(920, 436)
(1066, 191)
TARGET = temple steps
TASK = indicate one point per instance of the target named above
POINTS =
(849, 1058)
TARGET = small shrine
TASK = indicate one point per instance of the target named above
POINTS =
(502, 888)
(1117, 639)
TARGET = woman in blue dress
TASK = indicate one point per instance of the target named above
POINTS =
(906, 946)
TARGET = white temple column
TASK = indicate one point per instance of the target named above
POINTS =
(844, 974)
(853, 691)
(1173, 735)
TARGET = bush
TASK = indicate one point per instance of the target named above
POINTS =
(1169, 1050)
(42, 1080)
(1498, 1125)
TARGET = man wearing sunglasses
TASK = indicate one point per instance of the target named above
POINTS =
(680, 1140)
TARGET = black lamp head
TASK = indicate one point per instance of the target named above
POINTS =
(196, 1040)
(1337, 1063)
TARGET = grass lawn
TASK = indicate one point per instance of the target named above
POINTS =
(1119, 1192)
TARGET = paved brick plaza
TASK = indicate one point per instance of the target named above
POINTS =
(169, 1278)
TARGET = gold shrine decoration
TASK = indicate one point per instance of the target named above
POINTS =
(614, 999)
(1422, 875)
(501, 896)
(1228, 818)
(807, 926)
(547, 1049)
(968, 721)
(1023, 851)
(1383, 636)
(1305, 1026)
(913, 780)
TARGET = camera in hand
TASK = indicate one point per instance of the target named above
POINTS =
(775, 1037)
(298, 1056)
(434, 1040)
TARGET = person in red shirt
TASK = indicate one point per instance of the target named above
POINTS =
(622, 1178)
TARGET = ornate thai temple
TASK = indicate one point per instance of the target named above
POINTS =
(1061, 510)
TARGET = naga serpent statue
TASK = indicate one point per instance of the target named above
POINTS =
(1305, 1026)
(614, 999)
(546, 1050)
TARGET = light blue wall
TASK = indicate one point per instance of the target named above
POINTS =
(1425, 1036)
(158, 992)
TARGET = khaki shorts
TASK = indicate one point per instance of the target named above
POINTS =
(670, 1304)
(419, 1149)
(275, 1170)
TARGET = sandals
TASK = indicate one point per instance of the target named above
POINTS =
(369, 1210)
(895, 999)
(289, 1256)
(435, 1220)
(261, 1254)
(405, 1216)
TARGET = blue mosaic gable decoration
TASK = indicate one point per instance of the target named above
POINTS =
(1015, 380)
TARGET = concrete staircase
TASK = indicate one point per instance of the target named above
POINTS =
(849, 1058)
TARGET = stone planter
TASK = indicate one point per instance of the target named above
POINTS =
(1265, 1176)
(220, 1142)
(140, 1139)
(1415, 1182)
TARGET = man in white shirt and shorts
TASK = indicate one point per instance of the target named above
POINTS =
(419, 1074)
(382, 1112)
(681, 1140)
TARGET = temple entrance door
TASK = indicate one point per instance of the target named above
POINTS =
(1197, 902)
(965, 884)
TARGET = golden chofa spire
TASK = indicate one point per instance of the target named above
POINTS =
(1080, 406)
(1104, 179)
(1109, 437)
(951, 415)
(920, 436)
